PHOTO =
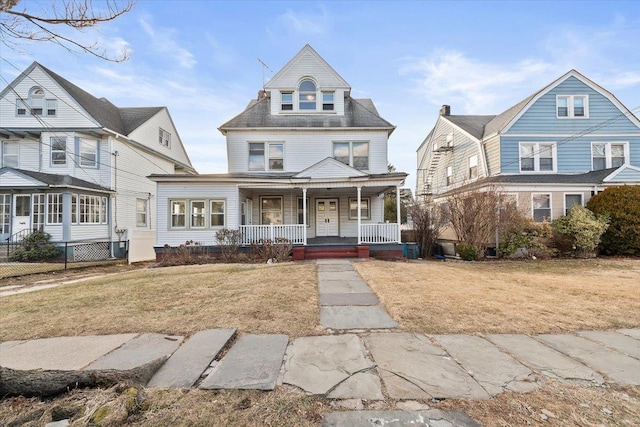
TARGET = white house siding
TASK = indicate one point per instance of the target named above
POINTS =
(69, 114)
(194, 191)
(28, 153)
(147, 135)
(13, 180)
(98, 232)
(492, 153)
(133, 166)
(303, 149)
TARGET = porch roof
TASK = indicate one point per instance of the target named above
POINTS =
(41, 179)
(286, 180)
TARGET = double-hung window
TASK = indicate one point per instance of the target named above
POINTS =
(541, 207)
(216, 213)
(473, 167)
(164, 137)
(570, 200)
(327, 101)
(58, 150)
(197, 214)
(274, 160)
(36, 101)
(352, 153)
(572, 106)
(449, 176)
(286, 101)
(271, 210)
(10, 153)
(365, 211)
(178, 213)
(605, 155)
(141, 212)
(537, 157)
(88, 153)
(52, 107)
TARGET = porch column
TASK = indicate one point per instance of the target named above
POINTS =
(359, 216)
(304, 216)
(66, 216)
(398, 216)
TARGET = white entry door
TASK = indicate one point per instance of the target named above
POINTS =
(327, 217)
(21, 213)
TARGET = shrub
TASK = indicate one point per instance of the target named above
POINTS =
(580, 229)
(526, 235)
(35, 247)
(190, 252)
(467, 251)
(278, 249)
(229, 241)
(622, 205)
(427, 223)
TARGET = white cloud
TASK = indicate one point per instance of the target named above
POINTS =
(474, 86)
(307, 24)
(164, 41)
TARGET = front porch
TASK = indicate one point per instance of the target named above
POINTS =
(369, 234)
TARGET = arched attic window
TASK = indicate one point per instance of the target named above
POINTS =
(307, 91)
(36, 101)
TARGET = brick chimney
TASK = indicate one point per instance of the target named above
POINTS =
(262, 94)
(445, 110)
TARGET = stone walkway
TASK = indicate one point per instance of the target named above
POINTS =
(361, 358)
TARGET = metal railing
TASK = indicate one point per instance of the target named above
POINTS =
(295, 233)
(379, 233)
(15, 240)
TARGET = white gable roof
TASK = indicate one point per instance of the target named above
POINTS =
(329, 168)
(305, 63)
(624, 174)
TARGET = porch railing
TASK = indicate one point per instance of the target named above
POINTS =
(379, 233)
(295, 233)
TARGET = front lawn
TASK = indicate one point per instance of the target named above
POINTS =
(275, 298)
(508, 296)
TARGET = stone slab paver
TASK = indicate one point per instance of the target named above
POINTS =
(4, 346)
(356, 317)
(318, 364)
(138, 351)
(412, 367)
(342, 286)
(334, 267)
(624, 343)
(61, 353)
(339, 275)
(367, 298)
(187, 364)
(620, 368)
(333, 261)
(253, 362)
(494, 370)
(633, 333)
(544, 359)
(362, 385)
(430, 417)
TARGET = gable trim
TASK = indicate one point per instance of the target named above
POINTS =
(329, 160)
(622, 168)
(572, 73)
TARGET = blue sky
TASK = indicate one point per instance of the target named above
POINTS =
(199, 58)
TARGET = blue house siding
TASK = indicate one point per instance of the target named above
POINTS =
(627, 175)
(541, 118)
(574, 155)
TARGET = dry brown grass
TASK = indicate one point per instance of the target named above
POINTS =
(508, 297)
(278, 298)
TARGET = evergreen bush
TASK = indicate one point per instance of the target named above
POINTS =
(579, 231)
(622, 205)
(36, 247)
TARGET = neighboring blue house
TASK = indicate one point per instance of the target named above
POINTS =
(556, 148)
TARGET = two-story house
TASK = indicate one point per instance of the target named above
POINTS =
(306, 162)
(76, 166)
(556, 148)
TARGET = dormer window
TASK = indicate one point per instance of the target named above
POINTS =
(36, 101)
(307, 100)
(36, 104)
(286, 101)
(572, 106)
(327, 101)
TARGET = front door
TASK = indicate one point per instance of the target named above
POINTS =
(21, 213)
(327, 217)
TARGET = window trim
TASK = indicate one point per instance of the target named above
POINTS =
(95, 144)
(192, 216)
(536, 156)
(302, 93)
(224, 213)
(57, 212)
(55, 107)
(470, 175)
(281, 207)
(533, 195)
(165, 142)
(449, 176)
(607, 153)
(144, 212)
(177, 215)
(355, 200)
(326, 104)
(266, 162)
(289, 103)
(564, 199)
(351, 156)
(95, 207)
(17, 155)
(5, 213)
(51, 143)
(571, 106)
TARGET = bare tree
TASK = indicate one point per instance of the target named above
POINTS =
(474, 215)
(18, 24)
(427, 223)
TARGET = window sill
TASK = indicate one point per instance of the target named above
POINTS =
(303, 112)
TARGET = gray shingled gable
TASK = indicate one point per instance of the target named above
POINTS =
(359, 113)
(59, 180)
(474, 125)
(593, 177)
(109, 116)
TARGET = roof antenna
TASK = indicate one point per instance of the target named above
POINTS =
(263, 67)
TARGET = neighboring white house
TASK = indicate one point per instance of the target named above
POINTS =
(76, 166)
(306, 161)
(558, 147)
